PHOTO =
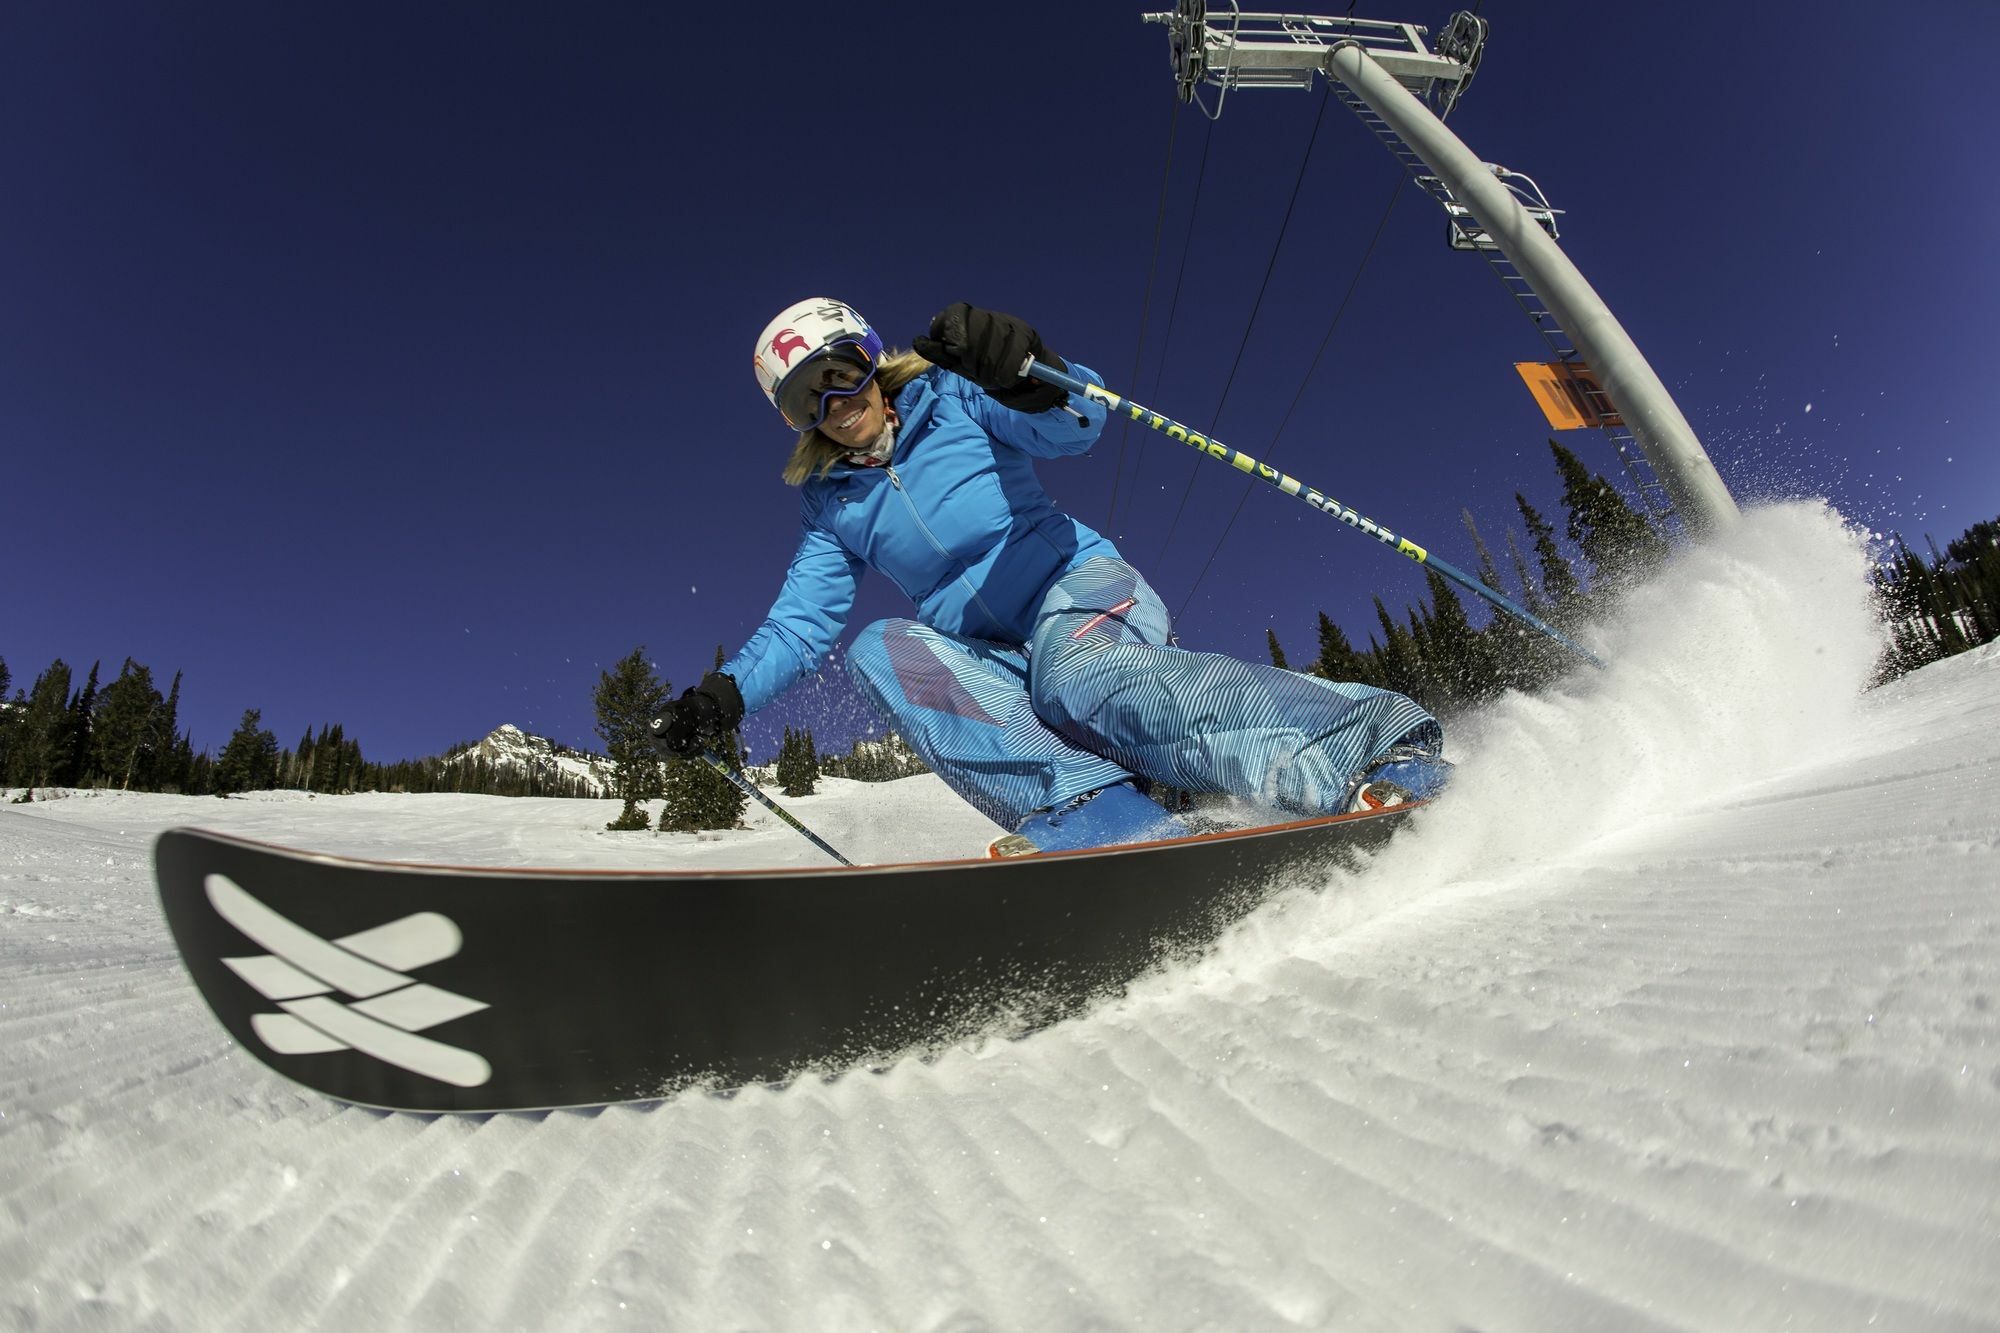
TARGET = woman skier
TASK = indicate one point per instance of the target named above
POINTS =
(1036, 678)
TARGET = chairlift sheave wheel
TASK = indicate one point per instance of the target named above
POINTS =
(1188, 45)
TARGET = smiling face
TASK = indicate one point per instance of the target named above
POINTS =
(856, 421)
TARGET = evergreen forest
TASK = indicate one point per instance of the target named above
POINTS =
(1432, 652)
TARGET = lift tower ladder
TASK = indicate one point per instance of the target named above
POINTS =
(1463, 232)
(1501, 214)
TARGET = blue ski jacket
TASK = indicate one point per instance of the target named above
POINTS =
(957, 519)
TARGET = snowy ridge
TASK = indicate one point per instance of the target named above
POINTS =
(508, 747)
(1682, 1010)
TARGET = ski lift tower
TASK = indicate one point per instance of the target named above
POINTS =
(1386, 74)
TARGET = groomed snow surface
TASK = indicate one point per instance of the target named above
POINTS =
(1681, 1010)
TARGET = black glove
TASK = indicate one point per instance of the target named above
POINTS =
(701, 718)
(988, 348)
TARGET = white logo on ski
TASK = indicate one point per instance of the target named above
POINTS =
(389, 1010)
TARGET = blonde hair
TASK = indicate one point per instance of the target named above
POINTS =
(814, 455)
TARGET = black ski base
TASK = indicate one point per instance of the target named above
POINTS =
(428, 988)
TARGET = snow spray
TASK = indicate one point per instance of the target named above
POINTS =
(1745, 656)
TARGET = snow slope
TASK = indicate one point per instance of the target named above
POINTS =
(1679, 1011)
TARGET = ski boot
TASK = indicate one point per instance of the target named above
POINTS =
(1398, 776)
(1107, 817)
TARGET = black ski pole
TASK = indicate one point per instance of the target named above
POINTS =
(749, 788)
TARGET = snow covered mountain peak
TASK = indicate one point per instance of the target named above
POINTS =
(509, 747)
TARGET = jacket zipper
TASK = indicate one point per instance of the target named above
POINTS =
(938, 546)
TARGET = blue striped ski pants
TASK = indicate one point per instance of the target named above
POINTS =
(1098, 697)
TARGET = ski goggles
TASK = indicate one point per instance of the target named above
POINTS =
(805, 395)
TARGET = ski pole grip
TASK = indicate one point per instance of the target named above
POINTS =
(1033, 369)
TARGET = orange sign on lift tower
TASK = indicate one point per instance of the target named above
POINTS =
(1568, 394)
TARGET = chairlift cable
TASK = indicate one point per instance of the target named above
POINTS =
(1180, 275)
(1353, 284)
(1145, 310)
(1250, 325)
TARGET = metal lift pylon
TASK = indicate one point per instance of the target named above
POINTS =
(1385, 73)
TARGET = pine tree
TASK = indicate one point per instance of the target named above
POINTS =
(1531, 593)
(1620, 545)
(122, 728)
(341, 759)
(628, 698)
(700, 798)
(680, 785)
(1400, 669)
(1943, 607)
(1940, 609)
(1337, 659)
(786, 751)
(1425, 685)
(74, 758)
(42, 731)
(10, 718)
(1981, 539)
(249, 761)
(798, 767)
(1489, 573)
(1277, 652)
(1909, 646)
(1977, 554)
(182, 774)
(1559, 583)
(1461, 661)
(157, 771)
(1519, 655)
(299, 764)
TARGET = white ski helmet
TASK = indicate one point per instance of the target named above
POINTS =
(813, 351)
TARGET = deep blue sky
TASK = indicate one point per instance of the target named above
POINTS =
(389, 365)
